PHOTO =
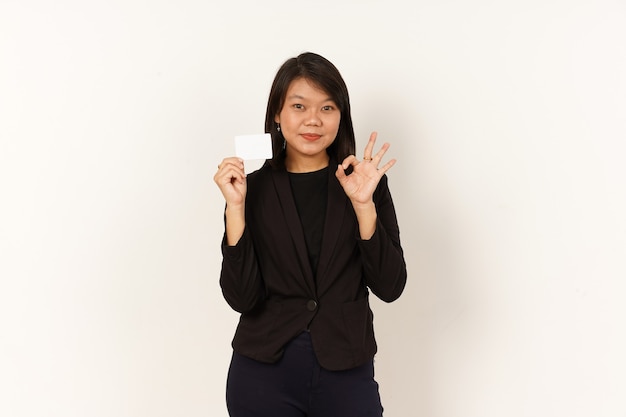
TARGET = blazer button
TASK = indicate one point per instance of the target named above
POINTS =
(311, 305)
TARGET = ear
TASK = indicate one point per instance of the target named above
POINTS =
(277, 118)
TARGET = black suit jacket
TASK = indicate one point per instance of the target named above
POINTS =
(267, 276)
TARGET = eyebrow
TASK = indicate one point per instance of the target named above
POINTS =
(299, 97)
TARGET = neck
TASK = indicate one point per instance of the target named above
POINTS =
(301, 165)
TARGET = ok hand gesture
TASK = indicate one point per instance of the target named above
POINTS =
(359, 186)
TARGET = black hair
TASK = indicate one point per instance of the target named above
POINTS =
(324, 75)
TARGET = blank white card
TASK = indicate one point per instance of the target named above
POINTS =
(253, 146)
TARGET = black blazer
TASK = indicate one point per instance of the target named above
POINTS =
(267, 276)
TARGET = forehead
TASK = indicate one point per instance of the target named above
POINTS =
(303, 88)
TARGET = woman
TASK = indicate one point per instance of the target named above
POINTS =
(307, 237)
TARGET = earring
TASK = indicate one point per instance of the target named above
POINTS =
(278, 128)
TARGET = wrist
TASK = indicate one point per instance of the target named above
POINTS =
(235, 224)
(366, 217)
(235, 210)
(366, 207)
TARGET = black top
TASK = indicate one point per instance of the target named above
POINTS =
(310, 192)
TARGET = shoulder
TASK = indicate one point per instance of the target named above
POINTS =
(262, 181)
(260, 175)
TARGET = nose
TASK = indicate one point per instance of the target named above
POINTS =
(312, 118)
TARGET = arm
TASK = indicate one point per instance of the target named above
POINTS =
(366, 187)
(240, 279)
(384, 267)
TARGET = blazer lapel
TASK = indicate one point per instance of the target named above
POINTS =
(290, 213)
(335, 211)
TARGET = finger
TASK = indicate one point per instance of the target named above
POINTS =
(231, 161)
(340, 173)
(369, 148)
(235, 174)
(379, 155)
(229, 173)
(227, 166)
(350, 160)
(386, 167)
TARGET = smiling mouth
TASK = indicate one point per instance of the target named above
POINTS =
(311, 136)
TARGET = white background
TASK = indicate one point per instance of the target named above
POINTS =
(508, 120)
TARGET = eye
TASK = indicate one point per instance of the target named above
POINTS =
(328, 108)
(298, 106)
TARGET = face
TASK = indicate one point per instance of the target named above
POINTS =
(309, 122)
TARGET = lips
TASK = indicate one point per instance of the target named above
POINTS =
(311, 136)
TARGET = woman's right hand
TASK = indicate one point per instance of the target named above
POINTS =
(231, 180)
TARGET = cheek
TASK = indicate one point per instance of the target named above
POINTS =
(288, 120)
(335, 123)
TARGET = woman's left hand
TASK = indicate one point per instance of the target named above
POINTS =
(359, 186)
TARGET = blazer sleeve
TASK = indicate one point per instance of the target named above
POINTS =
(241, 281)
(384, 267)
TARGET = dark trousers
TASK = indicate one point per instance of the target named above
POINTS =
(297, 386)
